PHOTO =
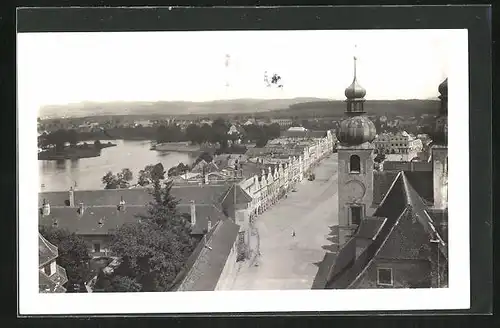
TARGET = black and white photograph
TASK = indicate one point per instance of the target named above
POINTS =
(261, 166)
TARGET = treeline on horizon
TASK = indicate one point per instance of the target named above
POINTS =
(217, 133)
(313, 109)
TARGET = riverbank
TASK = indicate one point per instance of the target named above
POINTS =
(78, 152)
(183, 147)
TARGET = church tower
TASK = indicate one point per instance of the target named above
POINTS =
(355, 170)
(439, 151)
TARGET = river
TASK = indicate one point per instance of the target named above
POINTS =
(87, 172)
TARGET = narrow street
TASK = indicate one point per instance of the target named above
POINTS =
(286, 261)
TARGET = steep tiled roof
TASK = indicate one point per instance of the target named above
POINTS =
(46, 251)
(205, 271)
(422, 182)
(405, 234)
(440, 219)
(102, 220)
(95, 220)
(382, 181)
(206, 194)
(370, 227)
(237, 195)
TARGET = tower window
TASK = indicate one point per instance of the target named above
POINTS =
(354, 164)
(355, 215)
(384, 276)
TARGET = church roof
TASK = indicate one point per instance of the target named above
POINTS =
(405, 233)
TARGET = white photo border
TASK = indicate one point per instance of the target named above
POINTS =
(456, 296)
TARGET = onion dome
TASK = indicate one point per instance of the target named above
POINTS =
(439, 133)
(443, 88)
(355, 91)
(356, 130)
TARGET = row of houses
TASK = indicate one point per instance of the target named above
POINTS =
(220, 211)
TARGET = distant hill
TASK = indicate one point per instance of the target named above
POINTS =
(300, 107)
(236, 106)
(336, 108)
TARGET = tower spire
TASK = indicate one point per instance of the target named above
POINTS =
(355, 60)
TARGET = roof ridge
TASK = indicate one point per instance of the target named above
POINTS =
(419, 205)
(379, 248)
(390, 189)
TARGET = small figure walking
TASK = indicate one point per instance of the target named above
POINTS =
(293, 233)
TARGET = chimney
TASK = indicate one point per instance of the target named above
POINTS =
(206, 178)
(193, 213)
(121, 205)
(45, 208)
(71, 197)
(81, 209)
(209, 225)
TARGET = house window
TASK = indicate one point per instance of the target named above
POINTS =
(97, 247)
(354, 164)
(355, 215)
(384, 276)
(47, 270)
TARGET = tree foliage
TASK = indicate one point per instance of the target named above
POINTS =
(58, 139)
(73, 254)
(116, 181)
(155, 249)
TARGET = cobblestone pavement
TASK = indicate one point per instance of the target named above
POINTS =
(287, 261)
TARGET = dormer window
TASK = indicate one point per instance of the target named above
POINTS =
(47, 270)
(354, 164)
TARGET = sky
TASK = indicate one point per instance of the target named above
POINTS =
(62, 68)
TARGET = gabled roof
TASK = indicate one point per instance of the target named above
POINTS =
(205, 266)
(46, 251)
(420, 180)
(406, 232)
(236, 195)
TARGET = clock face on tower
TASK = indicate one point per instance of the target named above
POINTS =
(355, 190)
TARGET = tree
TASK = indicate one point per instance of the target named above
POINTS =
(379, 158)
(72, 137)
(110, 181)
(155, 249)
(126, 175)
(73, 254)
(220, 129)
(119, 180)
(158, 172)
(193, 134)
(117, 283)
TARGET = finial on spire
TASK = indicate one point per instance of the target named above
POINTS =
(355, 59)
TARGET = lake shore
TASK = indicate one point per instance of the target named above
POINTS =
(73, 152)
